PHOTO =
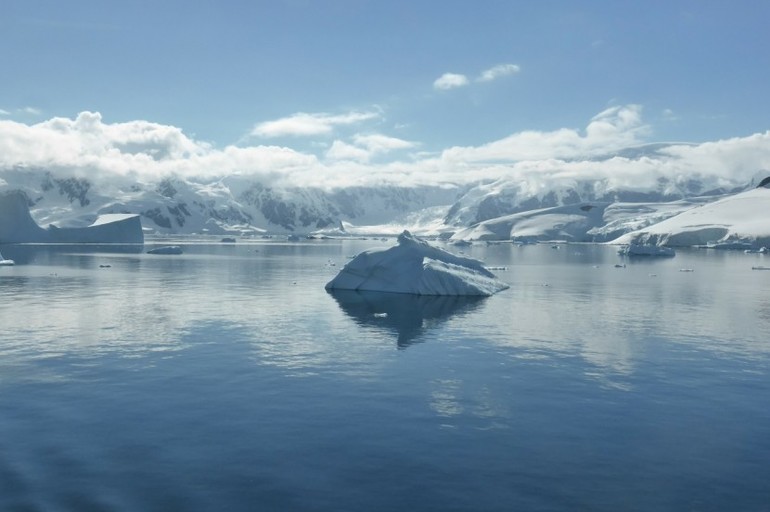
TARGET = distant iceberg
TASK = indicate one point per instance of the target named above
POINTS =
(166, 249)
(416, 267)
(18, 227)
(646, 250)
(6, 263)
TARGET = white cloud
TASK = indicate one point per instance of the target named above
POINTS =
(498, 71)
(612, 129)
(340, 150)
(4, 112)
(305, 124)
(365, 147)
(87, 146)
(33, 111)
(450, 81)
(378, 143)
(669, 115)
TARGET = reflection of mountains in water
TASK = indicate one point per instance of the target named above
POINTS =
(403, 313)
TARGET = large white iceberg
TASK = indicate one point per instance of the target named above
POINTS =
(414, 266)
(17, 226)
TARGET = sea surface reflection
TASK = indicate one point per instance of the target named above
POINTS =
(408, 316)
(228, 378)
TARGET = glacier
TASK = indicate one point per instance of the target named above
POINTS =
(418, 268)
(735, 218)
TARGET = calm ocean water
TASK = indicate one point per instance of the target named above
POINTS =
(227, 378)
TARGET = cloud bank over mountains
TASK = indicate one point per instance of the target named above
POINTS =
(89, 147)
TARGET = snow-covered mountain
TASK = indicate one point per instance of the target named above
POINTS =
(741, 217)
(577, 203)
(226, 205)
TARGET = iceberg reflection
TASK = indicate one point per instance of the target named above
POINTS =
(404, 314)
(29, 253)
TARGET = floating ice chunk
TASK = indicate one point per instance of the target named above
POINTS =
(6, 263)
(416, 267)
(166, 249)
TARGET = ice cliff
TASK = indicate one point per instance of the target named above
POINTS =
(18, 226)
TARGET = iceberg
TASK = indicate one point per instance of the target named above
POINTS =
(646, 250)
(416, 267)
(18, 227)
(6, 263)
(166, 249)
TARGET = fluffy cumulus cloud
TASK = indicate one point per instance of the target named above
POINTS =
(450, 81)
(309, 124)
(608, 131)
(87, 146)
(454, 80)
(498, 71)
(364, 147)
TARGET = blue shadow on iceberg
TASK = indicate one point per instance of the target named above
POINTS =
(403, 314)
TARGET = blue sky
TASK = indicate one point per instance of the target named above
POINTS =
(309, 74)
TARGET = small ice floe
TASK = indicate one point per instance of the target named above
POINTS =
(618, 265)
(103, 265)
(760, 267)
(761, 250)
(166, 249)
(380, 315)
(686, 270)
(228, 240)
(554, 246)
(596, 266)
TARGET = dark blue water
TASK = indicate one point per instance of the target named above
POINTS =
(228, 379)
